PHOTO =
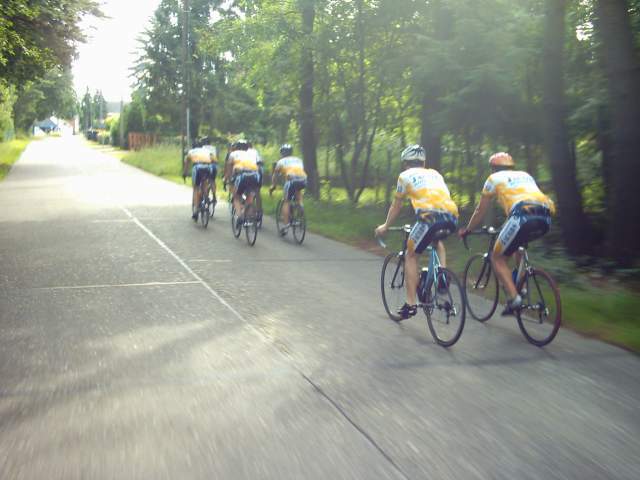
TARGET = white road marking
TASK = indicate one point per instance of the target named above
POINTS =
(116, 285)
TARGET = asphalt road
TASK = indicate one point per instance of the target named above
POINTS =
(135, 344)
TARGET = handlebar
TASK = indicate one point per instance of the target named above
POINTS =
(405, 228)
(485, 230)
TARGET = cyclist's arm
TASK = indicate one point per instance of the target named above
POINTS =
(479, 213)
(274, 177)
(228, 167)
(392, 214)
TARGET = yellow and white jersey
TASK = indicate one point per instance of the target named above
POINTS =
(426, 190)
(206, 154)
(511, 187)
(291, 167)
(243, 160)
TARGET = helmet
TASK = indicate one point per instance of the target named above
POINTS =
(413, 153)
(501, 159)
(201, 142)
(286, 150)
(240, 145)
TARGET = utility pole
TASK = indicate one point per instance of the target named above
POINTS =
(186, 93)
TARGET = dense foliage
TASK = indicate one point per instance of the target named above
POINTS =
(38, 41)
(555, 82)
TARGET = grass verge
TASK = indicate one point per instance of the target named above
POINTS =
(10, 151)
(607, 312)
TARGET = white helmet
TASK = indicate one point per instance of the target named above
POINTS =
(413, 153)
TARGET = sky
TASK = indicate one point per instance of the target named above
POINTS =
(104, 61)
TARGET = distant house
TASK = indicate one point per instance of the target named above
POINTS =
(47, 126)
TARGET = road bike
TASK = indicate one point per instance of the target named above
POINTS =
(440, 293)
(207, 205)
(251, 218)
(297, 220)
(540, 315)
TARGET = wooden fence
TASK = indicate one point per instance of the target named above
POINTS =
(138, 141)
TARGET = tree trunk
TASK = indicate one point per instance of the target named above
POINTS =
(622, 69)
(307, 117)
(430, 140)
(575, 228)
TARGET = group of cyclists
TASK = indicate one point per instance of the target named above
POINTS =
(528, 210)
(243, 173)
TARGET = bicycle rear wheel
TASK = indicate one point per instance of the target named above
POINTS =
(204, 214)
(480, 281)
(235, 227)
(251, 224)
(392, 285)
(446, 313)
(541, 313)
(298, 223)
(279, 217)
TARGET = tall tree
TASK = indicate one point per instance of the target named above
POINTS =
(622, 68)
(307, 117)
(575, 226)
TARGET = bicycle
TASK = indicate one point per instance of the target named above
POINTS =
(540, 315)
(250, 222)
(444, 307)
(297, 220)
(207, 205)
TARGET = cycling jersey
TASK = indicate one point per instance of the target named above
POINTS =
(243, 161)
(206, 154)
(291, 167)
(426, 190)
(514, 187)
(255, 154)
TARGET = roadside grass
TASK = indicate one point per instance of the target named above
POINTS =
(606, 310)
(10, 152)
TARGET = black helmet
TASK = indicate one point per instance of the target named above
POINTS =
(241, 144)
(413, 154)
(286, 150)
(201, 142)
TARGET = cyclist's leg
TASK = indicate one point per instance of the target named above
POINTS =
(418, 241)
(238, 188)
(286, 197)
(195, 199)
(504, 247)
(212, 180)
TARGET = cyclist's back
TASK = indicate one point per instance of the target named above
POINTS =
(514, 187)
(291, 167)
(426, 190)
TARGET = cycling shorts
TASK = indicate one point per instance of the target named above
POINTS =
(424, 231)
(246, 181)
(292, 186)
(526, 222)
(200, 170)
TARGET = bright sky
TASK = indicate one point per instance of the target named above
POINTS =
(104, 61)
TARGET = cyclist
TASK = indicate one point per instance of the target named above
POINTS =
(241, 171)
(434, 209)
(204, 158)
(253, 152)
(528, 213)
(295, 181)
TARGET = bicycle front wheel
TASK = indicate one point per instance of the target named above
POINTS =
(251, 224)
(541, 313)
(481, 288)
(392, 285)
(446, 312)
(298, 223)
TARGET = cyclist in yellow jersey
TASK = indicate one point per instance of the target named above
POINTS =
(295, 181)
(434, 209)
(528, 213)
(204, 159)
(241, 171)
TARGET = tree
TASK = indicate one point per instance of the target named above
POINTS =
(622, 69)
(575, 226)
(37, 35)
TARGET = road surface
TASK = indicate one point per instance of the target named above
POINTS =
(135, 344)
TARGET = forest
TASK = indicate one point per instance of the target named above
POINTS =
(554, 82)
